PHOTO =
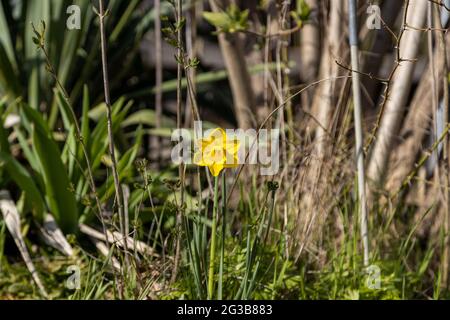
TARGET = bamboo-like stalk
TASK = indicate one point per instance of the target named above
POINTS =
(310, 45)
(441, 40)
(158, 64)
(112, 153)
(325, 96)
(284, 83)
(320, 121)
(370, 63)
(438, 180)
(238, 75)
(310, 50)
(447, 174)
(155, 141)
(191, 52)
(416, 124)
(434, 87)
(415, 17)
(357, 109)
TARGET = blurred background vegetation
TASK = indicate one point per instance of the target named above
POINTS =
(242, 64)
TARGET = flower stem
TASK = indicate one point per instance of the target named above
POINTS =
(212, 254)
(222, 244)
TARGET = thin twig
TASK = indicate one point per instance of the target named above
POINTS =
(181, 167)
(79, 136)
(117, 187)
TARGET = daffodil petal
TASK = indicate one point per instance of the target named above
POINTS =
(218, 137)
(218, 132)
(232, 161)
(216, 168)
(214, 154)
(232, 146)
(198, 159)
(217, 152)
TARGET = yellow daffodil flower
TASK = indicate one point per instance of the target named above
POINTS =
(217, 152)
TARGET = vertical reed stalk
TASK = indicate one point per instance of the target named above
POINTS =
(180, 53)
(435, 92)
(155, 141)
(112, 153)
(439, 24)
(191, 43)
(238, 75)
(158, 64)
(409, 43)
(284, 46)
(353, 37)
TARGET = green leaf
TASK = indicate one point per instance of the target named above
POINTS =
(26, 149)
(25, 182)
(8, 80)
(232, 20)
(4, 144)
(123, 20)
(219, 20)
(73, 39)
(205, 78)
(59, 194)
(5, 38)
(303, 10)
(99, 136)
(85, 129)
(64, 109)
(124, 166)
(36, 13)
(147, 117)
(69, 151)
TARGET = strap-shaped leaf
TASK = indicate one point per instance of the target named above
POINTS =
(59, 194)
(24, 181)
